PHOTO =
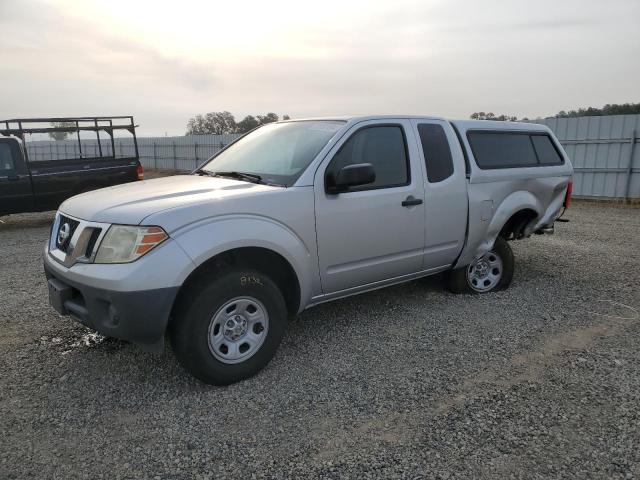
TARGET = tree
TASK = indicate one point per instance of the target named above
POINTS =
(608, 109)
(268, 118)
(250, 122)
(247, 124)
(61, 135)
(215, 123)
(491, 116)
(219, 123)
(196, 126)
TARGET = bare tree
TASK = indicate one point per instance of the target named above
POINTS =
(61, 135)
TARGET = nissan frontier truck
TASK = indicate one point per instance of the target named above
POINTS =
(298, 213)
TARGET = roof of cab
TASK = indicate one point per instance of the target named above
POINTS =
(498, 125)
(362, 118)
(462, 124)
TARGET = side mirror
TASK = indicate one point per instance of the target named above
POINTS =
(351, 176)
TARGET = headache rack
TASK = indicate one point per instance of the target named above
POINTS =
(19, 127)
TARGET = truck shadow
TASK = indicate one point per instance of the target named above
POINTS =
(395, 294)
(94, 353)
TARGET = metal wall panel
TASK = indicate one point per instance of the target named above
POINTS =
(604, 153)
(175, 153)
(603, 150)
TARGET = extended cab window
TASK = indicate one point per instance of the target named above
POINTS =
(502, 150)
(547, 153)
(6, 159)
(512, 149)
(383, 147)
(437, 153)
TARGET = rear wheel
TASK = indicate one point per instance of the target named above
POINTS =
(489, 273)
(229, 327)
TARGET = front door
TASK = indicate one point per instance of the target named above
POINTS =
(373, 232)
(15, 184)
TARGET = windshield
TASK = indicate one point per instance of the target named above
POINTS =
(277, 152)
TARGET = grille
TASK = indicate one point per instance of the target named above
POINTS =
(72, 226)
(92, 241)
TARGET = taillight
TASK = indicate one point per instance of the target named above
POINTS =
(567, 197)
(140, 172)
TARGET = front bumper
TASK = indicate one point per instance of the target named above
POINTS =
(91, 295)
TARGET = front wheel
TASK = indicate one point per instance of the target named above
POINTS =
(229, 326)
(489, 273)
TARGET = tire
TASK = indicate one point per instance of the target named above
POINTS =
(214, 322)
(490, 273)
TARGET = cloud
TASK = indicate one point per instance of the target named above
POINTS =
(411, 56)
(68, 49)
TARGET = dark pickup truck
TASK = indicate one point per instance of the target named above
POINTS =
(29, 183)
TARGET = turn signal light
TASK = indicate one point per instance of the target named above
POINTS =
(153, 236)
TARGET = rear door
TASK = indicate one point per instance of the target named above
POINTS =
(445, 184)
(15, 185)
(373, 232)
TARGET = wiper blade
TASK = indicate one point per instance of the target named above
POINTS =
(249, 177)
(205, 172)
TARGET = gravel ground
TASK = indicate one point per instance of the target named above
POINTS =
(539, 381)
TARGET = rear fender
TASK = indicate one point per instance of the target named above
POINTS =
(555, 206)
(483, 233)
(517, 201)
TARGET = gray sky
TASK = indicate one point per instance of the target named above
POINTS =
(164, 61)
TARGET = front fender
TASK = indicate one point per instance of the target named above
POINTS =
(208, 238)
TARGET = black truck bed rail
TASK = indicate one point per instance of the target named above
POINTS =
(38, 184)
(19, 127)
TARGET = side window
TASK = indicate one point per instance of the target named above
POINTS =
(6, 159)
(502, 150)
(547, 153)
(383, 147)
(437, 152)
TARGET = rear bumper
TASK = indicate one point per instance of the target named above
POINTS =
(139, 316)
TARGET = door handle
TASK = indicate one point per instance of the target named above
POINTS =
(13, 177)
(411, 201)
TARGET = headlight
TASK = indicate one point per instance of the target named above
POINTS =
(123, 243)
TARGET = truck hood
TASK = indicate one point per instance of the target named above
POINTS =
(131, 203)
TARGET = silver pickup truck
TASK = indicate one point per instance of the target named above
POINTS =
(298, 213)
